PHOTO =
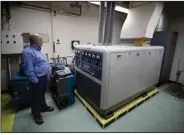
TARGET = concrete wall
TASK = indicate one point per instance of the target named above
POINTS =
(178, 26)
(33, 21)
(84, 28)
(66, 28)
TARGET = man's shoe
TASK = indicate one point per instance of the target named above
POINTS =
(47, 109)
(38, 120)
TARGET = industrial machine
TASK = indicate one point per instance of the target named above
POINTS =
(110, 76)
(62, 85)
(20, 91)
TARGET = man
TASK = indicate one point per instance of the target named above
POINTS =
(36, 68)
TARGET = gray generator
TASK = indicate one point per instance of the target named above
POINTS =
(110, 76)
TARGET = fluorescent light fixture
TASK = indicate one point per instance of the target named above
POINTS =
(117, 8)
(95, 3)
(121, 9)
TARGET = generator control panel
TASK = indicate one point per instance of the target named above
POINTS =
(89, 62)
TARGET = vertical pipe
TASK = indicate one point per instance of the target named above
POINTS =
(19, 57)
(112, 12)
(9, 68)
(107, 23)
(101, 22)
(1, 68)
(52, 31)
(58, 58)
(9, 16)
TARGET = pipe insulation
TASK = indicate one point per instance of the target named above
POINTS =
(142, 21)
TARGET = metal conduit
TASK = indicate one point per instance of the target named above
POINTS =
(101, 22)
(105, 35)
(111, 22)
(107, 23)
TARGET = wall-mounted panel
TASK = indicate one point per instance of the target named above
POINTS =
(11, 43)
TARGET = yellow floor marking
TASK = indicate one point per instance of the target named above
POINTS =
(118, 112)
(7, 114)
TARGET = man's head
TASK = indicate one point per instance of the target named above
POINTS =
(36, 39)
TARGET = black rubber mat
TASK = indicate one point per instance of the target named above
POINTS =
(175, 90)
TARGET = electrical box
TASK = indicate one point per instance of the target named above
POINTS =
(11, 43)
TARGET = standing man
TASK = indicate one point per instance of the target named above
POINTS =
(36, 68)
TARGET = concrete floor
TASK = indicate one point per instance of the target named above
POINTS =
(162, 113)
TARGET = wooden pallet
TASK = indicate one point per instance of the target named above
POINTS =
(118, 113)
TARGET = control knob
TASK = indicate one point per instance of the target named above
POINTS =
(93, 56)
(98, 57)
